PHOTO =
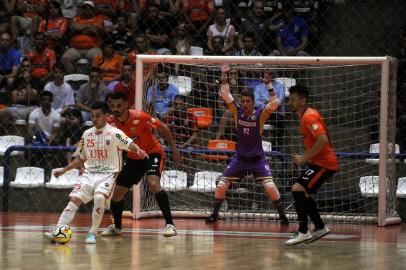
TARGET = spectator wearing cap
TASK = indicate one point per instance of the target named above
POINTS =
(87, 33)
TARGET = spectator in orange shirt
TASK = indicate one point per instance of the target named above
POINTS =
(42, 58)
(110, 63)
(127, 83)
(198, 13)
(31, 11)
(54, 27)
(87, 32)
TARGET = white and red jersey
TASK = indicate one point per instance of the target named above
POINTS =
(101, 149)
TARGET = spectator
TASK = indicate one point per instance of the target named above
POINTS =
(217, 46)
(54, 26)
(142, 47)
(262, 97)
(156, 29)
(110, 63)
(248, 47)
(198, 14)
(62, 92)
(182, 41)
(221, 27)
(161, 95)
(122, 35)
(90, 93)
(291, 34)
(71, 130)
(182, 124)
(7, 8)
(87, 31)
(107, 8)
(42, 58)
(127, 84)
(167, 8)
(24, 92)
(9, 61)
(31, 12)
(44, 122)
(69, 8)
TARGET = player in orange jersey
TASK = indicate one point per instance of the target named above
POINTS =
(138, 126)
(321, 164)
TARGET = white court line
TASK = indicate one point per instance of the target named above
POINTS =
(184, 232)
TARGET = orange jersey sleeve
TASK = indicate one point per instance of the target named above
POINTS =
(139, 127)
(312, 126)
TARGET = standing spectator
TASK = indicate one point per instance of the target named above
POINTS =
(292, 33)
(221, 27)
(161, 95)
(24, 92)
(110, 63)
(62, 91)
(31, 12)
(44, 122)
(87, 31)
(248, 46)
(42, 58)
(9, 61)
(90, 93)
(54, 26)
(127, 84)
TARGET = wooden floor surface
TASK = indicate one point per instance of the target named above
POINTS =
(226, 245)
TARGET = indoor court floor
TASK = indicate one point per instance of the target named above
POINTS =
(227, 245)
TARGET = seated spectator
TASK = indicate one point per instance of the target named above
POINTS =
(31, 12)
(183, 41)
(291, 34)
(107, 8)
(44, 122)
(7, 8)
(9, 61)
(71, 130)
(198, 14)
(167, 8)
(142, 47)
(221, 27)
(42, 58)
(110, 63)
(87, 31)
(122, 35)
(248, 47)
(54, 26)
(262, 94)
(62, 92)
(69, 9)
(217, 46)
(156, 29)
(91, 92)
(127, 83)
(161, 94)
(24, 92)
(182, 124)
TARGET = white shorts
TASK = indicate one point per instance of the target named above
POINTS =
(90, 183)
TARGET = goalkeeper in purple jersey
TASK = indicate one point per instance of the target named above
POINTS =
(249, 157)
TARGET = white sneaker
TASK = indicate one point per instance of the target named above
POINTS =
(49, 237)
(298, 238)
(111, 231)
(91, 238)
(170, 230)
(317, 234)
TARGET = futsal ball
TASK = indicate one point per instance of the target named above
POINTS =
(62, 234)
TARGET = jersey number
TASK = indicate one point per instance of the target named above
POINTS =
(90, 143)
(246, 131)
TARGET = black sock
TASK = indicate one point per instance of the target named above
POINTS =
(279, 207)
(216, 206)
(163, 203)
(314, 214)
(301, 210)
(117, 212)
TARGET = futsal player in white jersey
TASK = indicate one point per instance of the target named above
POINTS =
(99, 151)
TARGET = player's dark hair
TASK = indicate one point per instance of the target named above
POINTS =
(47, 94)
(116, 96)
(101, 105)
(299, 90)
(248, 93)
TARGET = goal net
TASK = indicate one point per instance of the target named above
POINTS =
(356, 97)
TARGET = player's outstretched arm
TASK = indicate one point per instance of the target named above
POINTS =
(76, 163)
(136, 149)
(167, 134)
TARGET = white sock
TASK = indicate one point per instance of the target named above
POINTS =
(98, 211)
(68, 214)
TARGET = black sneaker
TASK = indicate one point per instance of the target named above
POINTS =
(212, 219)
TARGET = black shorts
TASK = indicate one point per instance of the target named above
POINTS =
(313, 177)
(134, 170)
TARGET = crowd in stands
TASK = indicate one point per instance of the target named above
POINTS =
(43, 41)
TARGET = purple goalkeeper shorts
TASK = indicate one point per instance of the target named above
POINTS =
(240, 167)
